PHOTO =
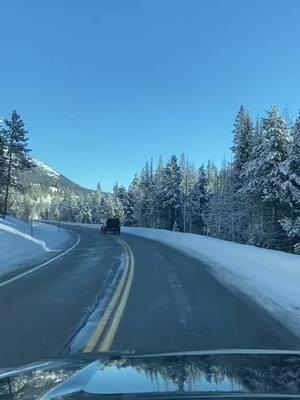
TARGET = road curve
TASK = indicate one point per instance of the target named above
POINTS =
(41, 311)
(174, 304)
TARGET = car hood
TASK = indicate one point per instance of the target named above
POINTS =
(181, 375)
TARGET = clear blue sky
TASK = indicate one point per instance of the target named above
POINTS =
(103, 85)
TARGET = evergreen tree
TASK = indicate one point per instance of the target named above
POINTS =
(291, 188)
(129, 208)
(242, 143)
(146, 186)
(17, 159)
(291, 169)
(85, 209)
(221, 218)
(212, 177)
(2, 168)
(264, 178)
(269, 152)
(159, 213)
(172, 190)
(117, 198)
(199, 202)
(120, 193)
(94, 199)
(189, 178)
(133, 209)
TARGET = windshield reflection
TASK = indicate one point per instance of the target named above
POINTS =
(176, 374)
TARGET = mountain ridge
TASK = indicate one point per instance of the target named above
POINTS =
(44, 175)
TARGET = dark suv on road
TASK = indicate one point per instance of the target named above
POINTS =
(112, 225)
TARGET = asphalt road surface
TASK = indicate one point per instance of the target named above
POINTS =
(174, 304)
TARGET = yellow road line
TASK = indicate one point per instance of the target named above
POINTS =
(126, 279)
(107, 342)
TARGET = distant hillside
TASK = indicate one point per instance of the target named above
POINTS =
(47, 194)
(42, 174)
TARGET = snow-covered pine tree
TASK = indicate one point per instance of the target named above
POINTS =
(291, 188)
(172, 202)
(294, 166)
(105, 208)
(53, 211)
(133, 208)
(121, 193)
(84, 204)
(151, 196)
(220, 219)
(69, 207)
(129, 207)
(2, 168)
(117, 205)
(199, 202)
(146, 187)
(159, 215)
(184, 168)
(264, 178)
(17, 154)
(213, 191)
(189, 178)
(243, 142)
(95, 199)
(212, 177)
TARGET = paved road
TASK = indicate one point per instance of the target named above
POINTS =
(175, 304)
(40, 312)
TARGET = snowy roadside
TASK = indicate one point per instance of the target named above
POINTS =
(270, 277)
(17, 247)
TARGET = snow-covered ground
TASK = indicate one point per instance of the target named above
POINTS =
(44, 167)
(17, 247)
(271, 277)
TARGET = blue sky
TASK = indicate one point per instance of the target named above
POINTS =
(103, 85)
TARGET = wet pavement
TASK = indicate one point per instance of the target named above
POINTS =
(175, 304)
(41, 311)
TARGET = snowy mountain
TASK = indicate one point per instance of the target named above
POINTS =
(43, 175)
(47, 194)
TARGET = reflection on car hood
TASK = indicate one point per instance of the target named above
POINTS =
(175, 374)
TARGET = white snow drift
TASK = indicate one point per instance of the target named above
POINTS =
(271, 277)
(18, 247)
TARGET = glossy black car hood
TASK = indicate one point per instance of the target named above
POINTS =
(151, 376)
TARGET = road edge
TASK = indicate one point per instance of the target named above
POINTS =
(37, 267)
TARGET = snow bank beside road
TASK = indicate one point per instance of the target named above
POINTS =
(18, 247)
(271, 277)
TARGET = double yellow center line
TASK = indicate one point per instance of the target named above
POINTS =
(106, 330)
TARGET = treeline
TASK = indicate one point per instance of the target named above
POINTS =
(55, 203)
(255, 199)
(93, 207)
